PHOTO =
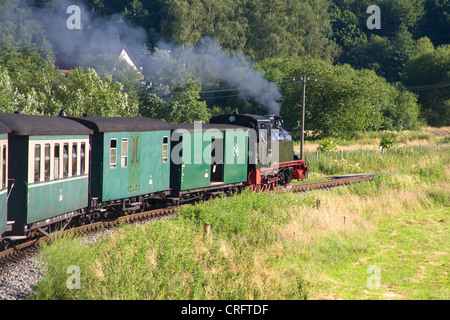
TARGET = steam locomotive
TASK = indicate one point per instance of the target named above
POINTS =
(58, 172)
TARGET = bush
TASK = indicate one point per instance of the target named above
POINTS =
(327, 145)
(388, 141)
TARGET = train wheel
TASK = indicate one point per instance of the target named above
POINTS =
(4, 244)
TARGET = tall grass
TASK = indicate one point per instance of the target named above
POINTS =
(174, 260)
(407, 161)
(426, 136)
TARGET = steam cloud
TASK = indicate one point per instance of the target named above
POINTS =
(206, 60)
(209, 62)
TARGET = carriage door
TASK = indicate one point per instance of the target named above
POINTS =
(217, 159)
(134, 151)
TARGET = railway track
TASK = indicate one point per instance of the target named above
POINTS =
(19, 249)
(334, 181)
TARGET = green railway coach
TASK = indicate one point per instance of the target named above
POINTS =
(48, 171)
(3, 178)
(206, 156)
(130, 160)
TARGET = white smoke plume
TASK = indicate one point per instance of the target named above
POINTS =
(208, 62)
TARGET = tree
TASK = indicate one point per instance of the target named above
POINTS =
(136, 13)
(428, 73)
(86, 93)
(11, 100)
(342, 101)
(386, 55)
(182, 104)
(289, 28)
(398, 14)
(188, 21)
(186, 106)
(435, 23)
(384, 50)
(422, 45)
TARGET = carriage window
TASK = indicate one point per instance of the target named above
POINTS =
(66, 160)
(165, 148)
(4, 167)
(124, 154)
(37, 163)
(113, 154)
(47, 162)
(263, 133)
(83, 158)
(56, 161)
(74, 159)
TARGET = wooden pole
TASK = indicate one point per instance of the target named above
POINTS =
(303, 121)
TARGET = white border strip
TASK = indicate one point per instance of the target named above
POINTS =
(46, 183)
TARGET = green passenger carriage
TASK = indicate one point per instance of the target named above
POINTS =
(48, 167)
(208, 159)
(130, 162)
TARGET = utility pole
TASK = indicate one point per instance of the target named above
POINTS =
(302, 133)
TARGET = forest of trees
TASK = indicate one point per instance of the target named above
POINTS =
(206, 57)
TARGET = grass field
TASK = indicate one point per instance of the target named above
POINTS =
(385, 239)
(371, 140)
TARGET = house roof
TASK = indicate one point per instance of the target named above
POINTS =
(32, 125)
(131, 57)
(122, 124)
(69, 59)
(4, 129)
(207, 126)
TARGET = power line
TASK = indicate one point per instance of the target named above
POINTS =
(428, 86)
(232, 95)
(283, 82)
